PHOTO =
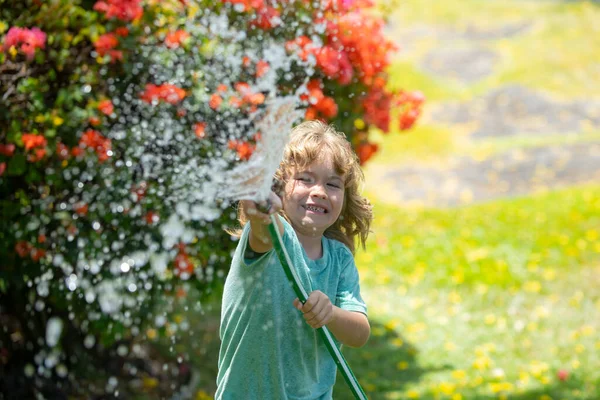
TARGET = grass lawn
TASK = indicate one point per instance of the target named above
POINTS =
(483, 302)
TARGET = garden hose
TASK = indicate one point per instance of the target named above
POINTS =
(327, 337)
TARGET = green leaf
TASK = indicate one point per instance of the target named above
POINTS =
(17, 165)
(33, 176)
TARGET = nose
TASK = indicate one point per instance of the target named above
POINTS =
(319, 191)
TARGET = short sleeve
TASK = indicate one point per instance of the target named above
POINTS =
(348, 294)
(244, 246)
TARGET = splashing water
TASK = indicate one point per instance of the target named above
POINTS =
(253, 180)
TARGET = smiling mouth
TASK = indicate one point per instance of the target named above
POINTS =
(316, 209)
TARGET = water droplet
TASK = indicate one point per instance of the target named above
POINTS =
(54, 328)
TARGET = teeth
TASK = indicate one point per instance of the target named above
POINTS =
(316, 209)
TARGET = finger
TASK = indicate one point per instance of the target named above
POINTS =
(318, 319)
(297, 304)
(314, 300)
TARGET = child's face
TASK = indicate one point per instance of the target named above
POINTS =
(313, 197)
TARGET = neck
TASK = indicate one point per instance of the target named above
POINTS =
(312, 245)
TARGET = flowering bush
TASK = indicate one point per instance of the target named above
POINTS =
(115, 118)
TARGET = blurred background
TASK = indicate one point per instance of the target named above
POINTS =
(483, 270)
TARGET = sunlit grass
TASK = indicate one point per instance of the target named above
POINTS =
(484, 301)
(407, 76)
(422, 143)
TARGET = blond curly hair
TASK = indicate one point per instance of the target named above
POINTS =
(309, 141)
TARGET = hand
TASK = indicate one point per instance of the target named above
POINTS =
(318, 310)
(254, 213)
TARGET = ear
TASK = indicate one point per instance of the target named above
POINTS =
(278, 186)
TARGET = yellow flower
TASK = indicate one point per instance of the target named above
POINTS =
(591, 235)
(57, 121)
(459, 374)
(587, 330)
(151, 333)
(449, 346)
(202, 395)
(482, 363)
(40, 118)
(454, 297)
(149, 382)
(402, 365)
(447, 388)
(532, 286)
(412, 394)
(359, 124)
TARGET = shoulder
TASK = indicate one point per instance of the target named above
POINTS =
(340, 251)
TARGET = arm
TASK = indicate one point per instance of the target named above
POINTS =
(349, 327)
(259, 238)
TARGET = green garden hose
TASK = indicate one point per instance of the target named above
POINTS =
(327, 337)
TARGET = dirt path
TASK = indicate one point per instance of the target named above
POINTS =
(503, 112)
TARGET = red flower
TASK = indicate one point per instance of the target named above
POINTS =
(175, 39)
(335, 64)
(94, 140)
(184, 267)
(2, 168)
(23, 248)
(105, 43)
(151, 218)
(302, 45)
(122, 31)
(365, 151)
(62, 151)
(33, 140)
(94, 121)
(361, 36)
(139, 191)
(408, 118)
(81, 209)
(199, 130)
(215, 101)
(244, 149)
(261, 68)
(246, 4)
(377, 105)
(166, 92)
(7, 149)
(267, 18)
(76, 151)
(36, 254)
(125, 10)
(106, 107)
(319, 104)
(28, 39)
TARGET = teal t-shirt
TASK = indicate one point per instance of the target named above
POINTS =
(267, 349)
